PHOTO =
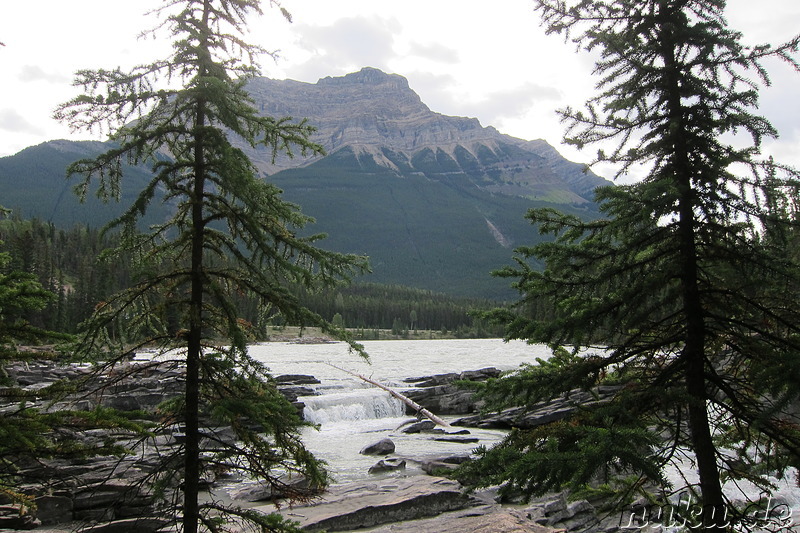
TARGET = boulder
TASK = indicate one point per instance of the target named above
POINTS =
(434, 464)
(16, 517)
(296, 379)
(387, 465)
(101, 502)
(292, 393)
(420, 427)
(123, 402)
(382, 447)
(556, 511)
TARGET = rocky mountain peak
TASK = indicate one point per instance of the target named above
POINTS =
(379, 118)
(369, 110)
(367, 76)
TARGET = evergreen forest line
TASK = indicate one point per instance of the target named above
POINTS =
(69, 264)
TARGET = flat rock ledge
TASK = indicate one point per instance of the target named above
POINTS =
(366, 504)
(106, 489)
(413, 504)
(473, 520)
(418, 504)
(542, 413)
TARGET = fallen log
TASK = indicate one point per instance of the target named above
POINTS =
(405, 399)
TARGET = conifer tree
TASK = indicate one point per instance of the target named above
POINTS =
(27, 435)
(20, 293)
(230, 234)
(680, 296)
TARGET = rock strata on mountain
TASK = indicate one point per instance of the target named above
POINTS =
(380, 118)
(366, 108)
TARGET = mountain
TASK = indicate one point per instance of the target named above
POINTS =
(32, 183)
(436, 201)
(371, 111)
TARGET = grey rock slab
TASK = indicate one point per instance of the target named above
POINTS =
(542, 413)
(372, 503)
(458, 439)
(490, 520)
(296, 379)
(130, 525)
(419, 427)
(441, 395)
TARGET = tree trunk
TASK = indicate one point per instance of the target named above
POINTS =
(694, 350)
(193, 355)
(694, 357)
(191, 508)
(713, 515)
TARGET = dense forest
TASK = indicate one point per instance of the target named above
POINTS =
(69, 263)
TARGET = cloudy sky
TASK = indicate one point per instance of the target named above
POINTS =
(489, 60)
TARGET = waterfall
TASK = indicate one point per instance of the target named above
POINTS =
(358, 404)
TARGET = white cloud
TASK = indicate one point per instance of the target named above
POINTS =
(513, 102)
(11, 120)
(435, 52)
(34, 73)
(344, 46)
(435, 89)
(463, 57)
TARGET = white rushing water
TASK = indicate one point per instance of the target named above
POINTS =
(352, 414)
(392, 361)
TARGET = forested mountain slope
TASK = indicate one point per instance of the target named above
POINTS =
(437, 202)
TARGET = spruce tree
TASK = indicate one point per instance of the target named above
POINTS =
(30, 434)
(20, 293)
(680, 296)
(230, 234)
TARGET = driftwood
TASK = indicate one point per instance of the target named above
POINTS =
(405, 399)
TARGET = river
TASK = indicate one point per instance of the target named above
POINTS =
(352, 414)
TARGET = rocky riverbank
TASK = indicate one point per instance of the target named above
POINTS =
(109, 494)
